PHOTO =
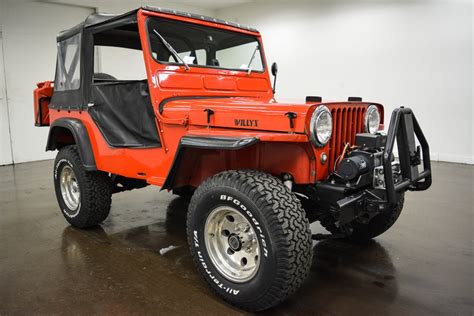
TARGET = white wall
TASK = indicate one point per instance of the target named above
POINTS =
(5, 145)
(29, 42)
(416, 53)
(29, 30)
(412, 53)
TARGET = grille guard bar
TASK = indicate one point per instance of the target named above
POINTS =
(403, 129)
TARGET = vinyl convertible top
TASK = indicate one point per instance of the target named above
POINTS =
(75, 60)
(96, 20)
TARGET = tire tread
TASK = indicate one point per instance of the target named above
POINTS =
(96, 193)
(287, 225)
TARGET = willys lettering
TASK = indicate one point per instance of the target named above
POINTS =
(246, 123)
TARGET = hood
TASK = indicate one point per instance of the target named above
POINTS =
(241, 113)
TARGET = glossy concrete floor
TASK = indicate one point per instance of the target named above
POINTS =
(422, 266)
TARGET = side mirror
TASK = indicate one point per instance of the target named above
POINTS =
(274, 73)
(274, 69)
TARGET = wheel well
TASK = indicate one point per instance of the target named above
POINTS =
(70, 131)
(59, 137)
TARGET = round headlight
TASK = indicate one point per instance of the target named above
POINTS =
(372, 119)
(321, 126)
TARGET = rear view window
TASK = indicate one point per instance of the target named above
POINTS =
(68, 64)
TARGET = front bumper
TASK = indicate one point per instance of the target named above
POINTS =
(363, 199)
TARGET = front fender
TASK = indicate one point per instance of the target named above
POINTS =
(205, 142)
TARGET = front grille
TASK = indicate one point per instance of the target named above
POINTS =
(347, 121)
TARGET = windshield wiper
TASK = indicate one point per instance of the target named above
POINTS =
(171, 49)
(249, 70)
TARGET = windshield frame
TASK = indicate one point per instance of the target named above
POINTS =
(191, 66)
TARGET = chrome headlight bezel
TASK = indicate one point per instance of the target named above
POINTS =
(320, 111)
(368, 129)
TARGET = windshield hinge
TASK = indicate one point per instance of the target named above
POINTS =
(291, 116)
(209, 114)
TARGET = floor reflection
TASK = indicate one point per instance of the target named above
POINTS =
(118, 269)
(340, 270)
(78, 245)
(345, 274)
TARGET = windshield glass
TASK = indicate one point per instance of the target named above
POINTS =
(204, 46)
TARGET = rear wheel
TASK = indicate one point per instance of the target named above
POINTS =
(378, 225)
(249, 238)
(83, 196)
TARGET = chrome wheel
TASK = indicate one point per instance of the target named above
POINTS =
(70, 190)
(232, 244)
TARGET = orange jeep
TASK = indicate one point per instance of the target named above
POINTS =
(204, 124)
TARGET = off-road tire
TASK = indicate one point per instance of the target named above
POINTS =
(377, 225)
(285, 237)
(95, 190)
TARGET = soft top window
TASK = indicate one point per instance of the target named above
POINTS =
(118, 54)
(204, 46)
(125, 36)
(68, 65)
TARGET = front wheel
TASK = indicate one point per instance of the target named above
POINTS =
(249, 238)
(83, 196)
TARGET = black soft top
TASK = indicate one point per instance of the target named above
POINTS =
(96, 20)
(75, 62)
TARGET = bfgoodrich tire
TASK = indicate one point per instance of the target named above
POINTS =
(249, 238)
(83, 196)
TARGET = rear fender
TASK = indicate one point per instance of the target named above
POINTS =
(60, 134)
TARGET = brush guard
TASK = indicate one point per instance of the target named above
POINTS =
(403, 129)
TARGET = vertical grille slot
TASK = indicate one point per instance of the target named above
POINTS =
(347, 121)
